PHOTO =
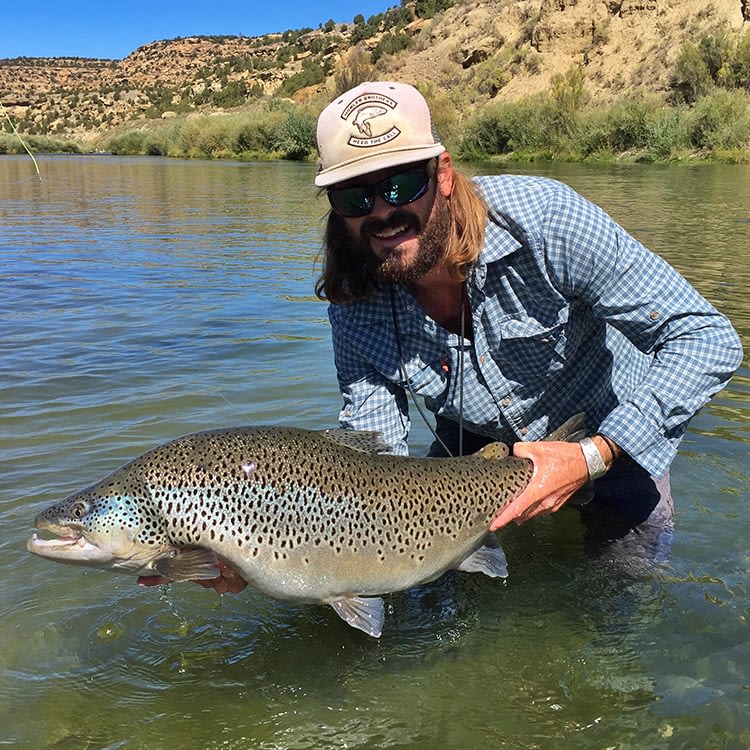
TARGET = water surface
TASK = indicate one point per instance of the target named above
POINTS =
(145, 298)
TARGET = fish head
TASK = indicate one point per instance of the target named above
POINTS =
(108, 525)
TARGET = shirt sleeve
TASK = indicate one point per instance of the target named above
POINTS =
(694, 348)
(371, 402)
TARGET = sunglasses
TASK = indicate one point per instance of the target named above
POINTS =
(396, 190)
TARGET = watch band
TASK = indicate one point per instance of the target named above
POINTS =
(594, 461)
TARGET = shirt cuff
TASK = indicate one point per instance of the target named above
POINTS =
(640, 439)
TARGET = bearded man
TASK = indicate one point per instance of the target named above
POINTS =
(508, 304)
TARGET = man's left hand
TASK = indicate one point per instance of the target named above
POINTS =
(560, 470)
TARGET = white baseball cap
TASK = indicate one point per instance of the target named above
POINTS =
(371, 127)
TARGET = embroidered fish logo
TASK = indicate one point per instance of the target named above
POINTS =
(364, 115)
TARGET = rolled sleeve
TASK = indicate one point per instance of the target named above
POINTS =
(693, 348)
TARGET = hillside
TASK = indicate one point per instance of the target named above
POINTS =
(471, 53)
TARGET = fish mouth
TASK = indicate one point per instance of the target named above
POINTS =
(64, 541)
(70, 547)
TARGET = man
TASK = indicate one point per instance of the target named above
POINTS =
(508, 304)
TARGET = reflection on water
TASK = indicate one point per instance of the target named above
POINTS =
(146, 298)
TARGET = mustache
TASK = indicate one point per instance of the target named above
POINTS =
(373, 225)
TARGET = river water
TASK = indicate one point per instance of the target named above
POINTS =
(141, 299)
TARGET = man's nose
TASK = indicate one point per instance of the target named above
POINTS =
(381, 207)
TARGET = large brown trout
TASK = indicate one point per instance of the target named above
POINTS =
(308, 516)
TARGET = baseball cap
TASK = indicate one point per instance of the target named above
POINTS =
(371, 127)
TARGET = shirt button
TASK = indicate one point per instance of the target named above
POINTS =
(506, 401)
(481, 360)
(654, 315)
(524, 430)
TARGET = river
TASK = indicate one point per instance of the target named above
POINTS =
(143, 298)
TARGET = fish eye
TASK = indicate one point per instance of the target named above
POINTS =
(78, 509)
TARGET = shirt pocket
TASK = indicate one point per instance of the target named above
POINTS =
(427, 377)
(527, 352)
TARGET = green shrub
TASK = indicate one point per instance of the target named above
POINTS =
(128, 144)
(666, 135)
(313, 72)
(740, 65)
(208, 137)
(720, 121)
(390, 44)
(256, 134)
(295, 138)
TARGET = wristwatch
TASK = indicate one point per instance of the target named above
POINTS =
(594, 461)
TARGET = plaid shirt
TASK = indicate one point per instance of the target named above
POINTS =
(569, 314)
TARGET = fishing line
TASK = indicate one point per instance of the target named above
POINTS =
(18, 135)
(461, 372)
(405, 376)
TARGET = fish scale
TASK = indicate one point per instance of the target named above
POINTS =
(309, 516)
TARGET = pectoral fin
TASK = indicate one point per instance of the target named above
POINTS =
(188, 565)
(488, 559)
(365, 613)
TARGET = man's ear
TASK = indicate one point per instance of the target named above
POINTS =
(444, 174)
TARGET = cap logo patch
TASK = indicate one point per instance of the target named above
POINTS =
(361, 112)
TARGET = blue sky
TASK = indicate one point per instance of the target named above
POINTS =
(104, 29)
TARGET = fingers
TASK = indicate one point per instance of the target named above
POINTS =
(152, 581)
(227, 581)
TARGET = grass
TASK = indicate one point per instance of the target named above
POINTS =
(716, 127)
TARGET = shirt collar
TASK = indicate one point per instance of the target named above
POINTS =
(498, 243)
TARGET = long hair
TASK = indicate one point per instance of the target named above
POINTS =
(347, 276)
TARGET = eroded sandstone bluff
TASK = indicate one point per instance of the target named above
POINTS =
(473, 52)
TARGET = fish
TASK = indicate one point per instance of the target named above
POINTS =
(309, 516)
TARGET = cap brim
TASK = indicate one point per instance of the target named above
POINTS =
(375, 162)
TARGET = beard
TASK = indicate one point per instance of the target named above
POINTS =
(432, 242)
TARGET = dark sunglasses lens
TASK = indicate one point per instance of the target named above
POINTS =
(398, 190)
(405, 187)
(351, 202)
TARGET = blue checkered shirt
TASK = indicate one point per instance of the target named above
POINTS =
(569, 314)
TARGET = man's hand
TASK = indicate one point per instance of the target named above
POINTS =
(226, 581)
(559, 472)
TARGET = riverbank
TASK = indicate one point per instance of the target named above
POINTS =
(555, 126)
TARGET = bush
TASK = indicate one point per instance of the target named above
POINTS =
(295, 137)
(720, 121)
(256, 134)
(390, 44)
(740, 65)
(666, 134)
(355, 68)
(208, 137)
(692, 78)
(128, 144)
(523, 126)
(313, 72)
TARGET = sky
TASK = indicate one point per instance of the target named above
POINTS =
(112, 30)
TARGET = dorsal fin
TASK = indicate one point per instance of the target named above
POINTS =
(359, 440)
(570, 431)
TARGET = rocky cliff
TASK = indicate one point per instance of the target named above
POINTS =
(475, 51)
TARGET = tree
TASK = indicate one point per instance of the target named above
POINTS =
(692, 77)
